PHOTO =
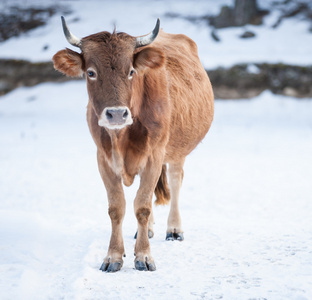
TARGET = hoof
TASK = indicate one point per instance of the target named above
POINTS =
(111, 267)
(145, 266)
(171, 236)
(150, 234)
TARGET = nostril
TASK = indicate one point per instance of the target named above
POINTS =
(125, 115)
(109, 115)
(116, 117)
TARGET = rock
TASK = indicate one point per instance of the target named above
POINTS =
(244, 12)
(247, 12)
(215, 36)
(224, 19)
(16, 73)
(242, 81)
(247, 34)
(15, 20)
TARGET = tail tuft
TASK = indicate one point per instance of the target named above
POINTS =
(162, 191)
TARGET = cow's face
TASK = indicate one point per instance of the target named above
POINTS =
(111, 64)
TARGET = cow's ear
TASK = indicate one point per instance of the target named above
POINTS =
(149, 58)
(69, 63)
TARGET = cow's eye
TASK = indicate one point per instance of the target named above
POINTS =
(91, 74)
(131, 73)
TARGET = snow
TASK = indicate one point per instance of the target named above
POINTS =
(290, 43)
(245, 204)
(245, 200)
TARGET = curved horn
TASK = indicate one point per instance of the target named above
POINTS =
(72, 39)
(148, 38)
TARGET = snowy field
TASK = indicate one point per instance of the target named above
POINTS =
(246, 200)
(245, 204)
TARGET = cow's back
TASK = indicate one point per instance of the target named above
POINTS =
(191, 94)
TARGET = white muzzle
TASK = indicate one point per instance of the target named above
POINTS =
(115, 117)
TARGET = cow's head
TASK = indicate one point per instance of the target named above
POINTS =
(110, 63)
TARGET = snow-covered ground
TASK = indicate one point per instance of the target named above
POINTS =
(246, 200)
(246, 205)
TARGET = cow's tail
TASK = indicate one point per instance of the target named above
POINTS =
(162, 191)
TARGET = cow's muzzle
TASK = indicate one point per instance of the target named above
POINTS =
(115, 117)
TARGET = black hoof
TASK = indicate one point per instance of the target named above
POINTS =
(140, 265)
(145, 266)
(171, 236)
(111, 267)
(150, 234)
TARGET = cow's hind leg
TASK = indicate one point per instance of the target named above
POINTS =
(116, 210)
(174, 229)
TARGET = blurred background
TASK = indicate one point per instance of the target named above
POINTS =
(246, 199)
(247, 46)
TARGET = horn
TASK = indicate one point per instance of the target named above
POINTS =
(72, 39)
(148, 38)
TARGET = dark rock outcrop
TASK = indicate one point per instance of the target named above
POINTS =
(249, 80)
(244, 12)
(16, 73)
(15, 20)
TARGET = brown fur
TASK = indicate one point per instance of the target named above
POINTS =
(171, 102)
(69, 63)
(142, 215)
(162, 191)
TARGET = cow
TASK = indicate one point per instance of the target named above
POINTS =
(150, 104)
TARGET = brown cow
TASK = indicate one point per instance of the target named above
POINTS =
(148, 106)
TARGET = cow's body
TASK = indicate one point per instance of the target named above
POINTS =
(171, 105)
(176, 117)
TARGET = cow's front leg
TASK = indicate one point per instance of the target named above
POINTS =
(143, 212)
(150, 226)
(116, 210)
